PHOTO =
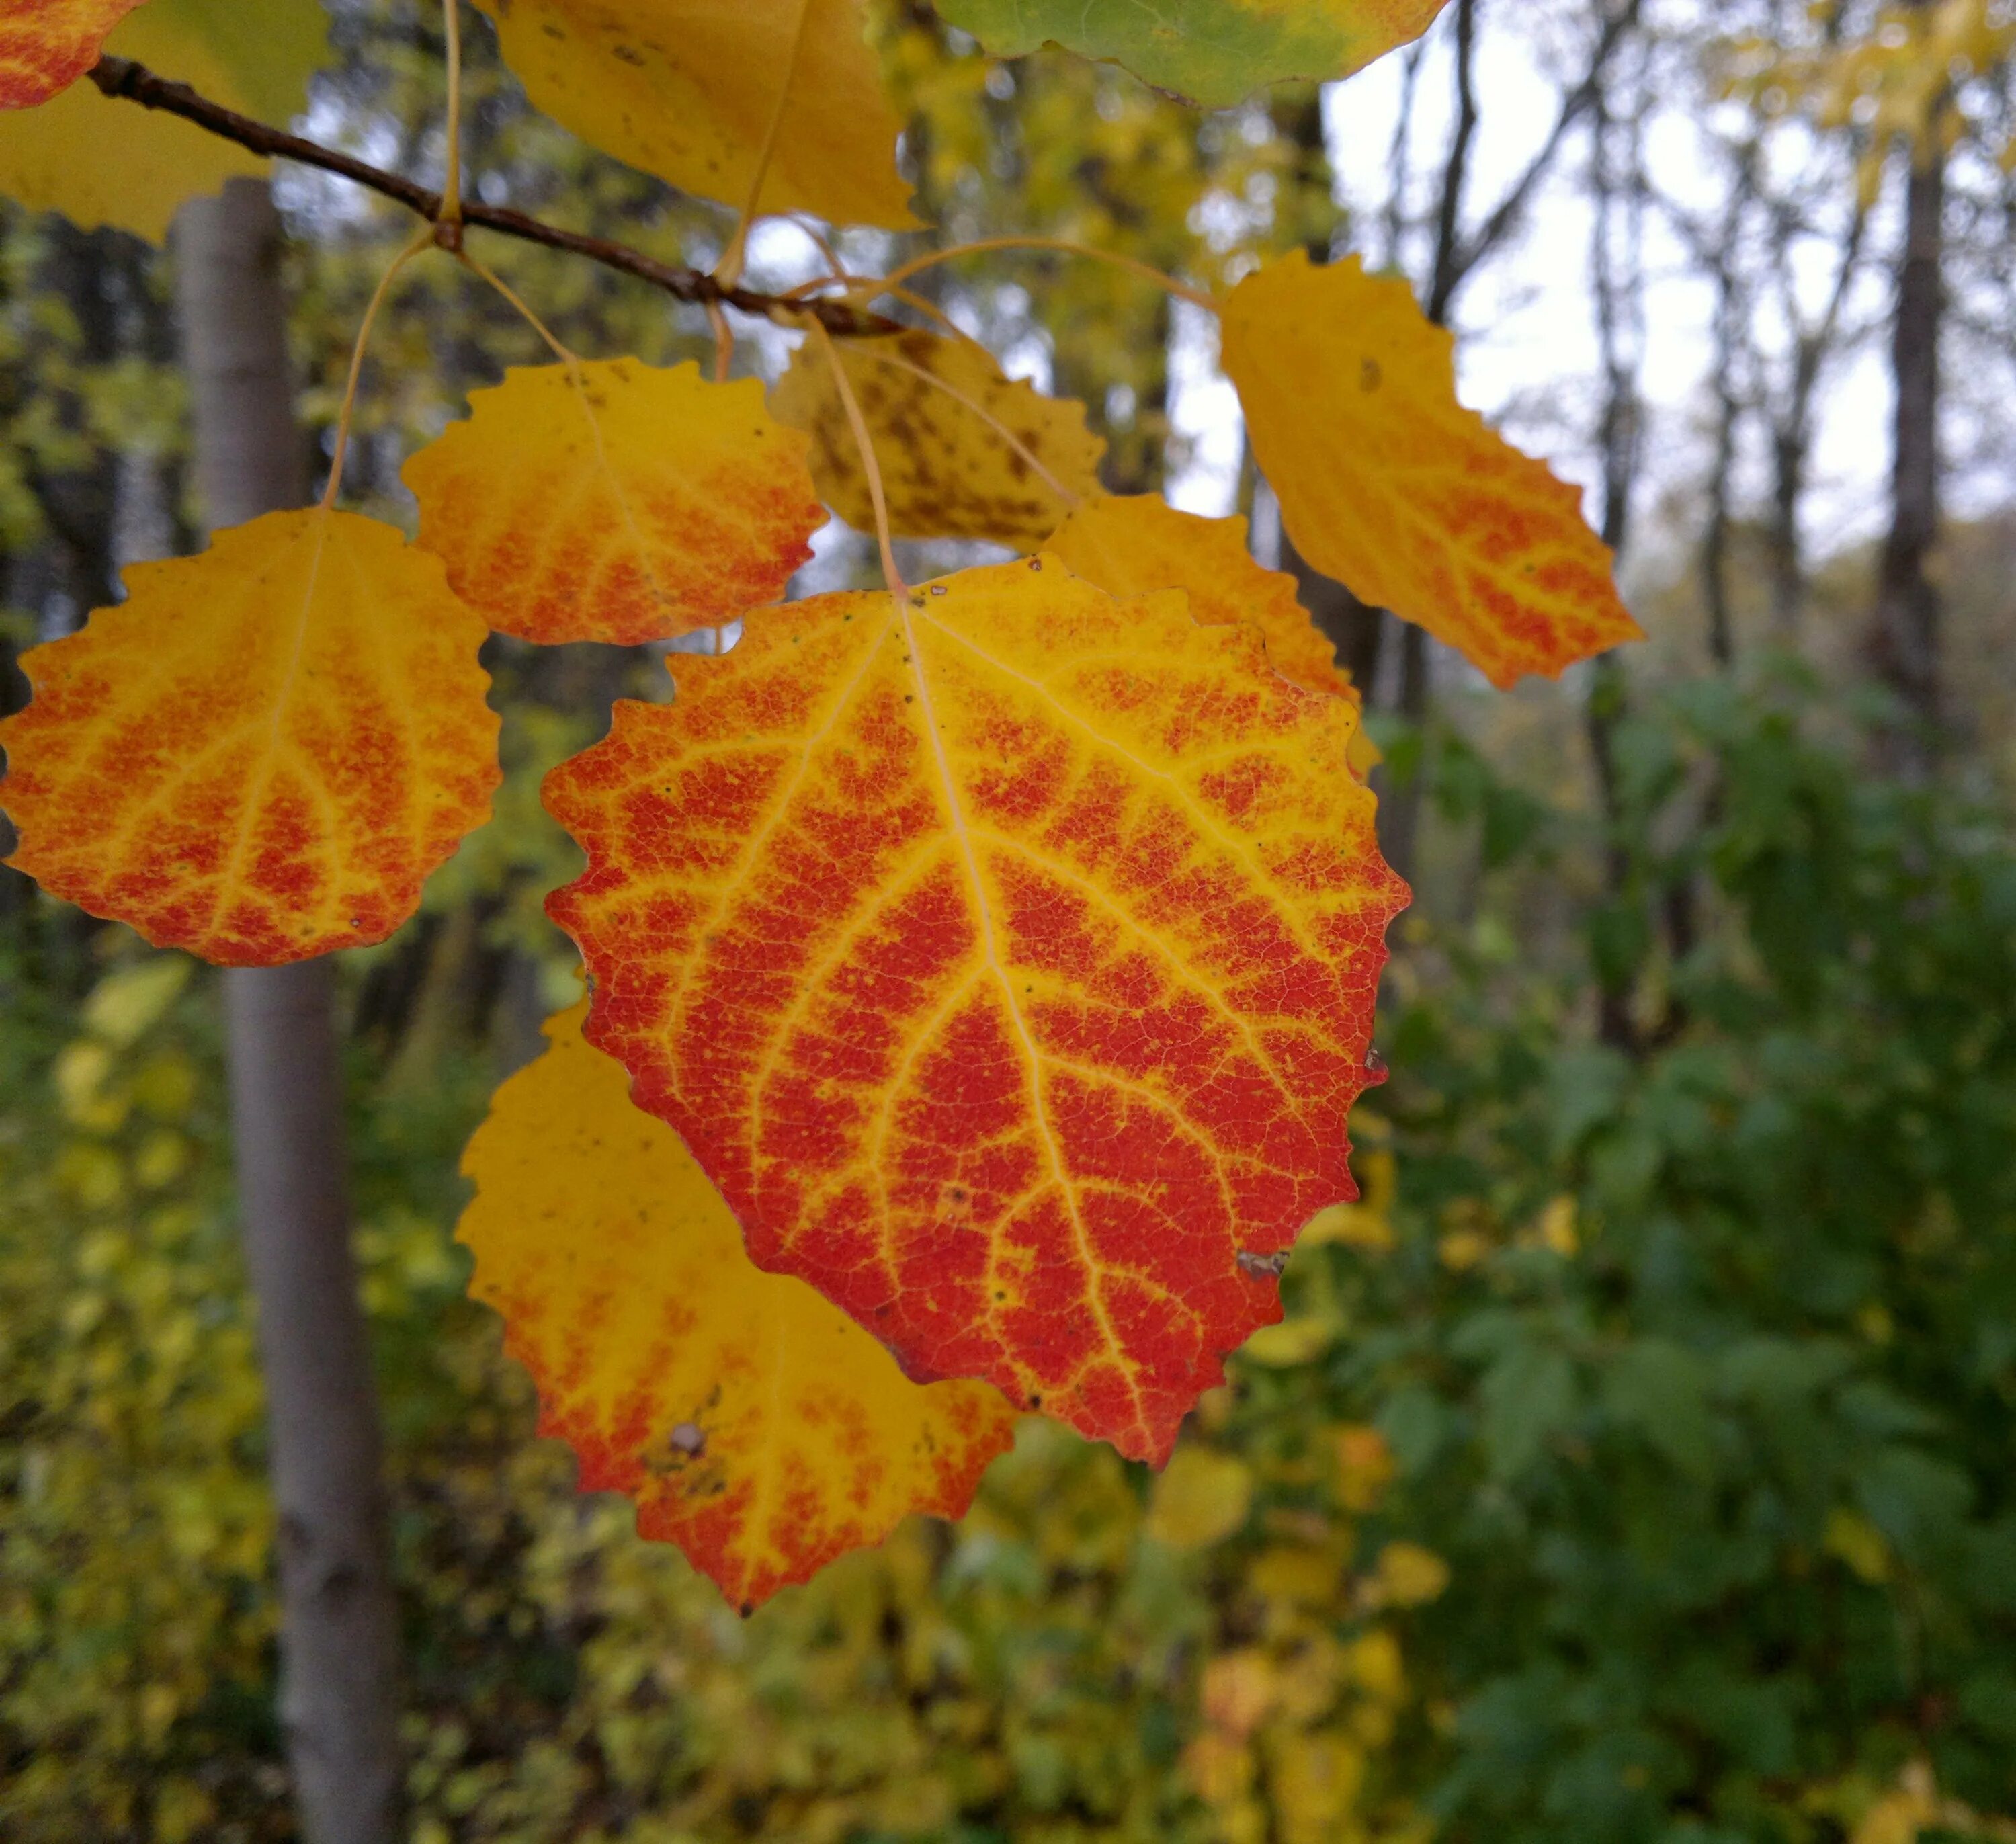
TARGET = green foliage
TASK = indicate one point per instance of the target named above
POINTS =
(1695, 1352)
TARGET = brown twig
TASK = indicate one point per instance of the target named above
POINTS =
(123, 78)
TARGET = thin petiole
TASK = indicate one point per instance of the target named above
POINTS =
(451, 208)
(890, 574)
(566, 355)
(727, 272)
(421, 239)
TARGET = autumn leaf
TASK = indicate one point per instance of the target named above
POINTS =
(1389, 484)
(46, 46)
(964, 452)
(687, 89)
(261, 753)
(615, 501)
(1007, 954)
(1132, 545)
(1215, 52)
(1200, 1500)
(101, 161)
(755, 1425)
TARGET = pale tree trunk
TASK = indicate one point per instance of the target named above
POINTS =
(339, 1646)
(1904, 647)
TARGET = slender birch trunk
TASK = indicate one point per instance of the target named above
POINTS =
(339, 1646)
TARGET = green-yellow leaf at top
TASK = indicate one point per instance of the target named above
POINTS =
(1213, 51)
(755, 1426)
(688, 89)
(963, 451)
(45, 45)
(1389, 484)
(262, 752)
(1132, 545)
(101, 161)
(615, 501)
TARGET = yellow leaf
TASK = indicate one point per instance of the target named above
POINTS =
(615, 501)
(1006, 955)
(1375, 1666)
(99, 160)
(1132, 545)
(125, 1005)
(262, 752)
(1201, 1497)
(964, 452)
(1389, 484)
(1365, 1466)
(687, 89)
(1857, 1542)
(755, 1426)
(1315, 1780)
(1237, 1690)
(45, 45)
(1293, 1342)
(1408, 1576)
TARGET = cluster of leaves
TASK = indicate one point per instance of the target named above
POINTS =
(1003, 951)
(1632, 1464)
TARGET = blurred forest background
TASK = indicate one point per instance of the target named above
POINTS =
(1635, 1463)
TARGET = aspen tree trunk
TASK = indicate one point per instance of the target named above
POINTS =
(1905, 645)
(339, 1695)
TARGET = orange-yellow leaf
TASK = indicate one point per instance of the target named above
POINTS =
(261, 753)
(964, 452)
(615, 501)
(687, 89)
(1131, 545)
(1006, 955)
(45, 45)
(755, 1425)
(1389, 484)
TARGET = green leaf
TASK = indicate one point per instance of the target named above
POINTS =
(1214, 52)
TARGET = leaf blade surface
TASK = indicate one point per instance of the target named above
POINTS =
(46, 46)
(1216, 52)
(964, 452)
(1007, 956)
(101, 161)
(1389, 484)
(754, 1424)
(615, 501)
(261, 753)
(685, 89)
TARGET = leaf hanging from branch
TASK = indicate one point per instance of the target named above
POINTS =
(615, 501)
(261, 753)
(964, 452)
(688, 89)
(1007, 954)
(754, 1423)
(1215, 52)
(102, 162)
(1389, 484)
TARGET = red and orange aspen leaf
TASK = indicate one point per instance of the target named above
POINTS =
(755, 1425)
(964, 452)
(1132, 545)
(261, 753)
(1007, 954)
(613, 500)
(1389, 484)
(46, 46)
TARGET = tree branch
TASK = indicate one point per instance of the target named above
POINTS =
(124, 79)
